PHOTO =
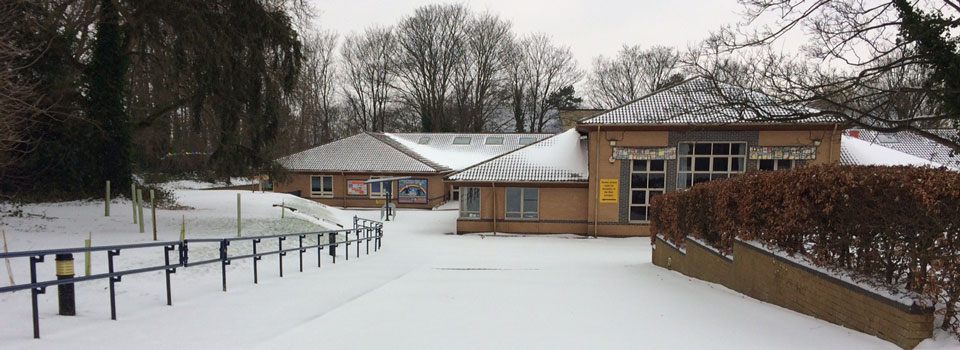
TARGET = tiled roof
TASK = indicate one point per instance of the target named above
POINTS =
(361, 152)
(909, 143)
(440, 149)
(697, 101)
(561, 158)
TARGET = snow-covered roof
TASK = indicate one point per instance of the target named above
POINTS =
(854, 151)
(696, 101)
(561, 158)
(913, 144)
(407, 152)
(459, 151)
(360, 153)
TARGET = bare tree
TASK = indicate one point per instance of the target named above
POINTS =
(548, 68)
(517, 79)
(478, 80)
(634, 72)
(369, 77)
(317, 90)
(887, 65)
(431, 47)
(21, 103)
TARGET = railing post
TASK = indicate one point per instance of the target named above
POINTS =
(113, 280)
(355, 222)
(319, 250)
(366, 236)
(255, 259)
(332, 240)
(166, 260)
(281, 254)
(346, 249)
(184, 256)
(358, 244)
(301, 252)
(34, 292)
(224, 261)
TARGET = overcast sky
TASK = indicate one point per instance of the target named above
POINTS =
(589, 28)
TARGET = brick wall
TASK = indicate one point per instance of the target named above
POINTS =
(762, 275)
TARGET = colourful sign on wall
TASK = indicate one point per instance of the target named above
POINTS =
(609, 190)
(356, 188)
(412, 191)
(644, 153)
(783, 152)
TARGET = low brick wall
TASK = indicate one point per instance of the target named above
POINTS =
(765, 276)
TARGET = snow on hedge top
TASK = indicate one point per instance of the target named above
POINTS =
(361, 152)
(854, 151)
(460, 151)
(561, 158)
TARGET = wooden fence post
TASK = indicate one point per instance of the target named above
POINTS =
(106, 207)
(86, 255)
(5, 250)
(153, 214)
(140, 207)
(133, 201)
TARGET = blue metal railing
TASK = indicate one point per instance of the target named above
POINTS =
(363, 231)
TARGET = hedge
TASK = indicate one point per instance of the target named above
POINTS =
(893, 227)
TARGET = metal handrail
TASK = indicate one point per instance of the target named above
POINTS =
(364, 230)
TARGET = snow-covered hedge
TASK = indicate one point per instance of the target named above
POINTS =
(895, 227)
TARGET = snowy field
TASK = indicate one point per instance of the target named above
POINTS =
(427, 289)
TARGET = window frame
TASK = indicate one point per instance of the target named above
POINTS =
(692, 172)
(322, 193)
(522, 214)
(468, 138)
(646, 189)
(464, 193)
(377, 195)
(776, 164)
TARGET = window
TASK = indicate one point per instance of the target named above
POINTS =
(321, 186)
(461, 140)
(378, 189)
(887, 138)
(522, 203)
(494, 140)
(776, 164)
(424, 140)
(526, 140)
(647, 180)
(699, 162)
(470, 202)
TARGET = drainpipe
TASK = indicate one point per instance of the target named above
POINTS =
(596, 188)
(344, 200)
(494, 187)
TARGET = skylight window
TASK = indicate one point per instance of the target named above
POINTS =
(461, 140)
(526, 140)
(424, 140)
(494, 140)
(887, 138)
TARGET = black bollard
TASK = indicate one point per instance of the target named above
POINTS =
(68, 304)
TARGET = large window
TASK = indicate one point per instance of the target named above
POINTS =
(378, 189)
(523, 203)
(470, 202)
(776, 164)
(699, 162)
(321, 186)
(647, 180)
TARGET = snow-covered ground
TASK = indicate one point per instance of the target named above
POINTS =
(426, 289)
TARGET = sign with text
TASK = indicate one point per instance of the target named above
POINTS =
(356, 188)
(412, 191)
(609, 190)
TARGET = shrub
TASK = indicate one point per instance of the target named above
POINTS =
(893, 227)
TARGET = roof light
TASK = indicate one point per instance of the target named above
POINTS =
(424, 140)
(887, 138)
(526, 140)
(461, 140)
(494, 140)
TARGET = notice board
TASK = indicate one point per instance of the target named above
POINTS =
(609, 190)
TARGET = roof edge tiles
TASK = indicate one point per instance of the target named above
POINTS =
(410, 153)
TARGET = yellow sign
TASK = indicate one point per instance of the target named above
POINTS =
(381, 201)
(609, 190)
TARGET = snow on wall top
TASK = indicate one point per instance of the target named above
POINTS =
(913, 144)
(361, 153)
(561, 158)
(854, 151)
(460, 151)
(695, 101)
